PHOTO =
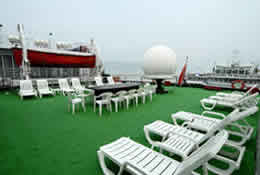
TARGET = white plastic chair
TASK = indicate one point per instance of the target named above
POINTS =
(26, 89)
(64, 86)
(79, 88)
(245, 102)
(43, 88)
(140, 160)
(73, 100)
(99, 81)
(119, 98)
(140, 93)
(105, 99)
(131, 96)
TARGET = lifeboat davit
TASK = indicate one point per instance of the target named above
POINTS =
(39, 57)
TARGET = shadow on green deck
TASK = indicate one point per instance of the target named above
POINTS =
(39, 136)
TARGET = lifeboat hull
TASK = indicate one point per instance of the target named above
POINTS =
(50, 58)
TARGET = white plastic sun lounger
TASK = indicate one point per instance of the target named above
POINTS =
(236, 94)
(204, 123)
(182, 141)
(43, 88)
(248, 101)
(26, 89)
(140, 160)
(64, 86)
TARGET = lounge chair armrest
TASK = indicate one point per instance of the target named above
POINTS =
(213, 113)
(208, 108)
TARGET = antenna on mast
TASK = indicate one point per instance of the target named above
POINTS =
(25, 61)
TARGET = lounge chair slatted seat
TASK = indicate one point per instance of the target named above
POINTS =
(138, 159)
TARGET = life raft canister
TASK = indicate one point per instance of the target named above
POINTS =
(238, 84)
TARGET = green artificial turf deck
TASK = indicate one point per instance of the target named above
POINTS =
(40, 137)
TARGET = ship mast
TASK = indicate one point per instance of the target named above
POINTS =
(25, 61)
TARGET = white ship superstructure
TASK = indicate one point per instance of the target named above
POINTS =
(233, 76)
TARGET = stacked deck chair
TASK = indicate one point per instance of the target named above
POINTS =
(183, 141)
(26, 89)
(244, 102)
(140, 160)
(43, 88)
(236, 94)
(64, 86)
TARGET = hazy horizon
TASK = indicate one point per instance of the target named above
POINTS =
(206, 31)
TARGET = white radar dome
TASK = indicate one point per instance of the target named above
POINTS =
(159, 61)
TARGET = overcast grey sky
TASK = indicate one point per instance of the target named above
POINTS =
(205, 30)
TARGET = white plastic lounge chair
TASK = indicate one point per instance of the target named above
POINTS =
(64, 86)
(43, 88)
(232, 97)
(130, 96)
(105, 99)
(245, 102)
(99, 81)
(204, 123)
(26, 89)
(236, 94)
(119, 98)
(74, 100)
(140, 160)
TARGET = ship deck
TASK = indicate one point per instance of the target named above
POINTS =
(39, 136)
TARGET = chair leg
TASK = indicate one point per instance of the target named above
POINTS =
(83, 106)
(73, 108)
(68, 107)
(127, 103)
(100, 109)
(136, 101)
(116, 106)
(110, 106)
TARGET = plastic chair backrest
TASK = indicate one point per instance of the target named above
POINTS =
(99, 81)
(76, 83)
(42, 85)
(63, 83)
(106, 96)
(203, 154)
(26, 85)
(110, 80)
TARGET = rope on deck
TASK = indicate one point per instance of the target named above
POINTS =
(257, 168)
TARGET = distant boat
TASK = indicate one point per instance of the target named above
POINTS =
(234, 76)
(42, 57)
